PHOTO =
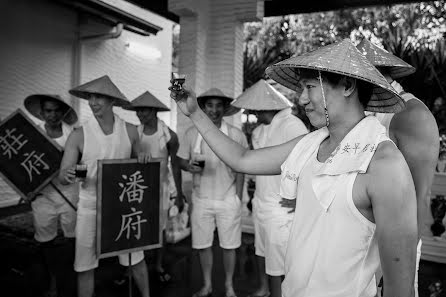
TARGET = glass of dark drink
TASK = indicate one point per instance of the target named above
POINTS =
(81, 171)
(199, 160)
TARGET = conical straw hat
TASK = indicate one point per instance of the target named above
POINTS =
(261, 96)
(217, 93)
(381, 58)
(342, 58)
(146, 99)
(102, 86)
(32, 104)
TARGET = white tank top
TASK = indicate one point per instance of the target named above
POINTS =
(98, 146)
(156, 145)
(70, 191)
(330, 253)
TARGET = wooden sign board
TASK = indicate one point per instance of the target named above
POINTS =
(128, 207)
(29, 159)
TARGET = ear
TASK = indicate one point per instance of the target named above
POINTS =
(349, 86)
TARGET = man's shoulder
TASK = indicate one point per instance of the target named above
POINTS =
(387, 162)
(293, 122)
(191, 132)
(234, 130)
(416, 119)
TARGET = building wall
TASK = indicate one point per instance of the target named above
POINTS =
(38, 50)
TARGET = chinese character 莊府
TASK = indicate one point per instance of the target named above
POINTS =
(133, 189)
(10, 143)
(131, 222)
(33, 162)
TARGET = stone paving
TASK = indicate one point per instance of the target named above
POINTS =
(22, 273)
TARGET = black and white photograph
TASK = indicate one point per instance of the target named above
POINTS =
(223, 148)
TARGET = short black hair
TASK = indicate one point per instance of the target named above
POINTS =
(365, 89)
(47, 99)
(202, 102)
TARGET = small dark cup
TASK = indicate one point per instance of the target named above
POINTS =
(200, 163)
(81, 171)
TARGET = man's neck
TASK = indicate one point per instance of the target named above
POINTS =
(218, 124)
(151, 126)
(106, 122)
(269, 116)
(54, 131)
(338, 130)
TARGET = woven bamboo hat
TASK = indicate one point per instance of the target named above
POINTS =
(261, 96)
(33, 105)
(102, 86)
(381, 58)
(146, 99)
(342, 58)
(217, 93)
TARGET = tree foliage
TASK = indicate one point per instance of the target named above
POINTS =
(414, 32)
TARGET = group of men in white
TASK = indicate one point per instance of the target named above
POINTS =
(334, 210)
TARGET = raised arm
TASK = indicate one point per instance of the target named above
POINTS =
(263, 161)
(416, 134)
(73, 149)
(392, 195)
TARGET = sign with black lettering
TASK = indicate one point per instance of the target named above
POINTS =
(29, 159)
(128, 207)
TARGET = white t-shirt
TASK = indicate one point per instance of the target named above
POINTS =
(283, 128)
(217, 180)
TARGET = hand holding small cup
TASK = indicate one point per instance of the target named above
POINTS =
(183, 96)
(80, 172)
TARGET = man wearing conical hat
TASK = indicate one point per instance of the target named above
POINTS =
(414, 130)
(272, 222)
(217, 191)
(104, 136)
(49, 208)
(356, 203)
(158, 140)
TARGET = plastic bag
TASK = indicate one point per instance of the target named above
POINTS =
(177, 224)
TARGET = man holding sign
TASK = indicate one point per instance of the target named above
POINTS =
(104, 136)
(49, 207)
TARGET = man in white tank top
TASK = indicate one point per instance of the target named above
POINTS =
(216, 194)
(158, 140)
(414, 131)
(49, 208)
(104, 136)
(357, 194)
(272, 222)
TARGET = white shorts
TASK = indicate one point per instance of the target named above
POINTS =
(226, 215)
(46, 215)
(85, 258)
(277, 234)
(259, 234)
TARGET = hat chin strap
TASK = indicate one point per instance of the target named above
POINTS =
(327, 119)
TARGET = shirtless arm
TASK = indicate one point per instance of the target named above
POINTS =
(73, 148)
(172, 147)
(263, 161)
(415, 132)
(239, 182)
(136, 148)
(392, 195)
